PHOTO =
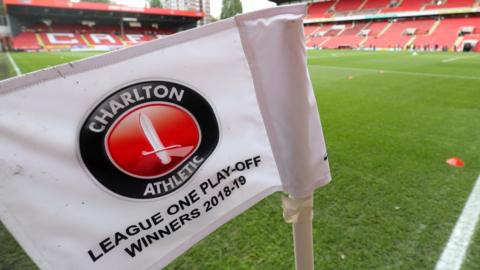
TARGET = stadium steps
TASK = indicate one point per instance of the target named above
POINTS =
(310, 31)
(426, 5)
(410, 42)
(446, 35)
(385, 29)
(377, 5)
(363, 41)
(325, 41)
(334, 6)
(429, 5)
(123, 41)
(407, 5)
(39, 40)
(307, 40)
(319, 9)
(341, 32)
(451, 4)
(397, 37)
(375, 28)
(458, 42)
(316, 30)
(362, 5)
(346, 7)
(367, 26)
(86, 41)
(348, 37)
(434, 27)
(399, 3)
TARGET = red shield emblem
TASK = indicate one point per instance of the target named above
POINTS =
(151, 140)
(148, 139)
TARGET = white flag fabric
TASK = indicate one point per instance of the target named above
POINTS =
(125, 160)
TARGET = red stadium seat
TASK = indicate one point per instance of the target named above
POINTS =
(69, 28)
(421, 33)
(396, 36)
(310, 29)
(408, 5)
(349, 38)
(452, 4)
(25, 41)
(103, 39)
(376, 4)
(133, 39)
(62, 40)
(376, 27)
(349, 5)
(317, 41)
(320, 9)
(106, 29)
(447, 33)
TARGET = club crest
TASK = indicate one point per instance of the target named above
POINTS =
(148, 139)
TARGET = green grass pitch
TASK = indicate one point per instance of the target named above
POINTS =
(390, 122)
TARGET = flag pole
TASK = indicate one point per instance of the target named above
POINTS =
(299, 212)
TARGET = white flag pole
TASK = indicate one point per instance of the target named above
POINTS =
(299, 212)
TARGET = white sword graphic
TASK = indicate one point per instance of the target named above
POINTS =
(163, 153)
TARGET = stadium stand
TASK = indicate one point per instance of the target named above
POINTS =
(375, 28)
(345, 6)
(407, 5)
(349, 38)
(64, 25)
(320, 9)
(132, 39)
(25, 41)
(375, 4)
(448, 33)
(65, 36)
(60, 40)
(400, 34)
(98, 39)
(380, 24)
(310, 30)
(451, 4)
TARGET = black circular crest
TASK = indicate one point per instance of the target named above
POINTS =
(148, 139)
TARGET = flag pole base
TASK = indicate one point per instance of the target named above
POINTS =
(299, 212)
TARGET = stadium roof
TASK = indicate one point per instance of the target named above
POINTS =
(278, 2)
(57, 4)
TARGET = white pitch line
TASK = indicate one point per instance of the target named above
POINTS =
(15, 67)
(334, 55)
(400, 72)
(457, 246)
(457, 58)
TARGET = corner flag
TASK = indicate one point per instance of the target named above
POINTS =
(127, 159)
